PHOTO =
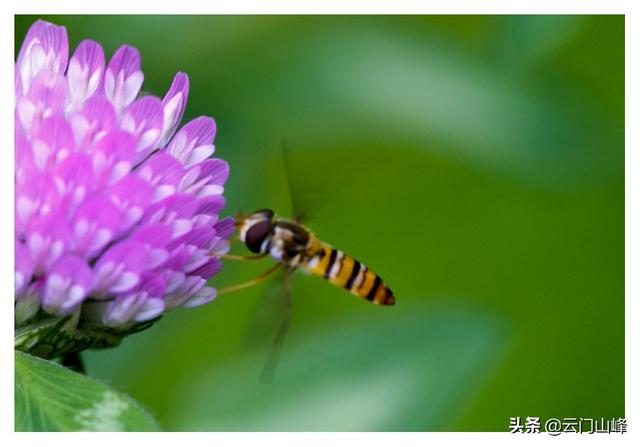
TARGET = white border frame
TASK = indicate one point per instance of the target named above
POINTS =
(631, 9)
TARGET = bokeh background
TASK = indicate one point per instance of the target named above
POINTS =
(476, 162)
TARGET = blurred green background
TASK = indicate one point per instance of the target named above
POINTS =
(475, 162)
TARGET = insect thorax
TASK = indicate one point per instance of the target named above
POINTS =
(289, 242)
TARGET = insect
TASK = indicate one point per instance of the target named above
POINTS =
(294, 246)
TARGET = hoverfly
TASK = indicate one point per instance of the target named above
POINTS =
(294, 246)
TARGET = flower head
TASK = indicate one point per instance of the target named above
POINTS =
(116, 216)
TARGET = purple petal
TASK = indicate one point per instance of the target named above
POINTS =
(46, 98)
(197, 258)
(216, 171)
(132, 195)
(163, 172)
(175, 211)
(192, 249)
(96, 118)
(47, 238)
(74, 180)
(154, 284)
(198, 237)
(53, 142)
(194, 142)
(208, 270)
(45, 48)
(23, 268)
(131, 308)
(113, 156)
(118, 313)
(203, 296)
(85, 72)
(67, 285)
(23, 156)
(32, 37)
(94, 225)
(155, 238)
(174, 104)
(174, 280)
(211, 205)
(225, 227)
(178, 259)
(143, 119)
(143, 304)
(185, 290)
(219, 247)
(149, 310)
(157, 235)
(123, 77)
(205, 178)
(120, 268)
(36, 199)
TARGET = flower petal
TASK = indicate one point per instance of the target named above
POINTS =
(46, 98)
(203, 296)
(143, 304)
(45, 47)
(48, 237)
(94, 225)
(225, 227)
(193, 143)
(123, 77)
(23, 268)
(113, 156)
(74, 180)
(94, 121)
(174, 104)
(207, 270)
(67, 285)
(53, 142)
(85, 72)
(215, 170)
(143, 119)
(132, 195)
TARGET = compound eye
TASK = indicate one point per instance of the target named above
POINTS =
(256, 235)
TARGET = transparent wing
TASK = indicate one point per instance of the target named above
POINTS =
(269, 370)
(309, 199)
(266, 315)
(295, 198)
(269, 326)
(270, 323)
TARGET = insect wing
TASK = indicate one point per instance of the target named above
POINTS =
(269, 370)
(308, 199)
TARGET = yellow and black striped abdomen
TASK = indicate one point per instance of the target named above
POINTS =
(347, 272)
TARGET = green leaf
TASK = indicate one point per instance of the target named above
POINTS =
(49, 397)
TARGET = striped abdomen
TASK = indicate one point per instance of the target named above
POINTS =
(345, 271)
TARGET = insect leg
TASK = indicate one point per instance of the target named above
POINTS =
(243, 285)
(244, 257)
(268, 371)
